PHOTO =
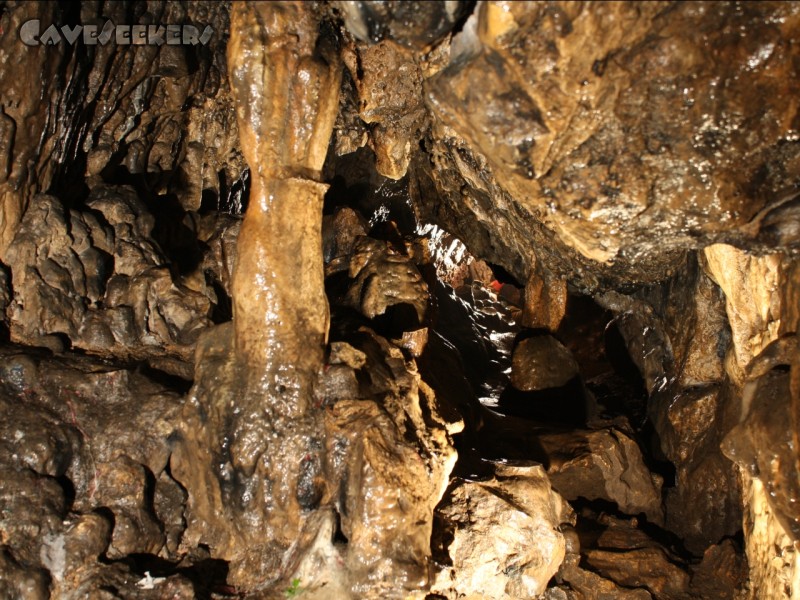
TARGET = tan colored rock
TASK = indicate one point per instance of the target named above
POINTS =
(386, 468)
(506, 543)
(545, 301)
(286, 98)
(752, 291)
(772, 556)
(541, 362)
(604, 464)
(151, 111)
(762, 444)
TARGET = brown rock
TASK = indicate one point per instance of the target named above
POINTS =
(102, 286)
(721, 574)
(604, 464)
(642, 567)
(28, 76)
(279, 305)
(571, 137)
(587, 585)
(21, 581)
(625, 556)
(541, 362)
(702, 507)
(339, 234)
(545, 301)
(389, 86)
(171, 125)
(383, 278)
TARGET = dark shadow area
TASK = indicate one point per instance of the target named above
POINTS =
(562, 406)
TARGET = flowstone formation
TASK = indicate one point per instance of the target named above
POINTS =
(414, 300)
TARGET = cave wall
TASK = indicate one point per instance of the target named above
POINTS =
(645, 155)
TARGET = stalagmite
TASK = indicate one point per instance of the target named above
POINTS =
(285, 84)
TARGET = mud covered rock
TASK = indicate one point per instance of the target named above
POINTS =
(389, 85)
(416, 24)
(382, 463)
(159, 113)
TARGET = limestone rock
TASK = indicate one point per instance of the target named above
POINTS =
(24, 122)
(505, 537)
(541, 362)
(690, 405)
(389, 86)
(545, 148)
(603, 464)
(545, 301)
(773, 561)
(383, 278)
(757, 310)
(99, 280)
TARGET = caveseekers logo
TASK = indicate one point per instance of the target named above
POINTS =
(31, 34)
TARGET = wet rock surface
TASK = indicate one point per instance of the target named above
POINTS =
(605, 162)
(401, 300)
